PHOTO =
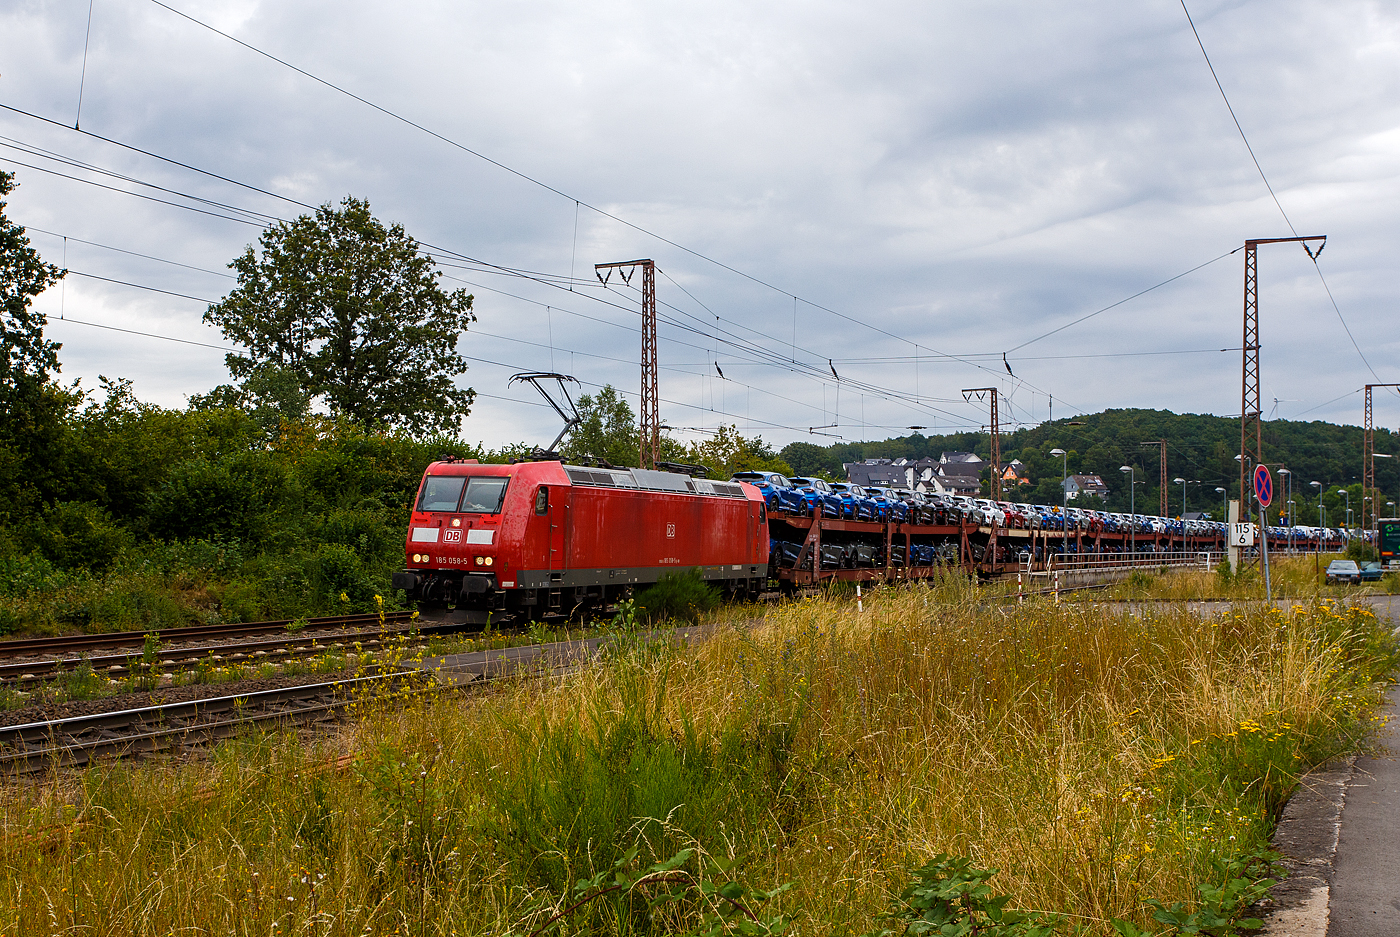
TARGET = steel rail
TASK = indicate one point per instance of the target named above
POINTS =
(77, 740)
(78, 642)
(239, 653)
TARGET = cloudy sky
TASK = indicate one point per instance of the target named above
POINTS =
(907, 189)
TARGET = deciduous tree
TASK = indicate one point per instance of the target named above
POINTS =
(23, 275)
(354, 310)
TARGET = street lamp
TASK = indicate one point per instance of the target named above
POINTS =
(1224, 513)
(1347, 494)
(1064, 500)
(1321, 515)
(1132, 509)
(1391, 505)
(1375, 511)
(1288, 502)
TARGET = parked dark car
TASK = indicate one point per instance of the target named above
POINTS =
(1343, 571)
(1371, 571)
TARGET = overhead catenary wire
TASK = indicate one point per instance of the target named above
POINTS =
(546, 186)
(139, 286)
(207, 301)
(122, 250)
(884, 392)
(167, 338)
(1127, 299)
(1273, 195)
(82, 78)
(543, 278)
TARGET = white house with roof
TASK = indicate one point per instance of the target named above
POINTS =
(1085, 484)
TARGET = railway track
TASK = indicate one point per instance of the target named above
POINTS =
(76, 741)
(173, 727)
(275, 650)
(70, 644)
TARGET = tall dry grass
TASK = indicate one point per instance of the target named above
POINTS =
(1290, 577)
(1096, 757)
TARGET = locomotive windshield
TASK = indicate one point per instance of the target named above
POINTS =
(484, 494)
(441, 493)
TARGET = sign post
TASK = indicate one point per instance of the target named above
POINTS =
(1264, 493)
(1232, 520)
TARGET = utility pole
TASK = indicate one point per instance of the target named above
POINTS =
(1251, 417)
(649, 436)
(1368, 462)
(1162, 444)
(996, 436)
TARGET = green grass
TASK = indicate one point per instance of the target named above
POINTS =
(1099, 760)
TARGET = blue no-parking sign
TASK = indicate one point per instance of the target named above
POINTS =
(1263, 485)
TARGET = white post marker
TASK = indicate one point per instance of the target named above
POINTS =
(860, 605)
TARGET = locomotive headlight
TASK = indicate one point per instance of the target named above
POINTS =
(456, 522)
(490, 560)
(479, 561)
(417, 558)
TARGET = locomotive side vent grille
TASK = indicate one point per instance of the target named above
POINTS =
(651, 481)
(661, 481)
(583, 476)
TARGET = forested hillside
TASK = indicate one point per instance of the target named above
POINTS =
(1200, 447)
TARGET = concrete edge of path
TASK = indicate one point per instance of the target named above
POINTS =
(1307, 837)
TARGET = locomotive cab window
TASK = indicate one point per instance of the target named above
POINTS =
(441, 493)
(485, 493)
(542, 500)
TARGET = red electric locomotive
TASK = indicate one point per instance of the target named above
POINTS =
(538, 538)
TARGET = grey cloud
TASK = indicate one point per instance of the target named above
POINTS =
(965, 176)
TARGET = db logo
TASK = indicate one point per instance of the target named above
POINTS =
(451, 536)
(671, 531)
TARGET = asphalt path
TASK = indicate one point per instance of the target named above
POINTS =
(1365, 899)
(1340, 837)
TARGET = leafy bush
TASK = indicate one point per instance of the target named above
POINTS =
(336, 571)
(1360, 551)
(22, 575)
(366, 533)
(230, 499)
(1140, 579)
(1223, 573)
(682, 596)
(80, 535)
(949, 896)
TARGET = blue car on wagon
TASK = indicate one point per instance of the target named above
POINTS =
(819, 496)
(856, 503)
(777, 491)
